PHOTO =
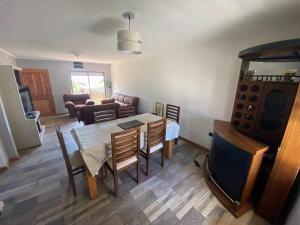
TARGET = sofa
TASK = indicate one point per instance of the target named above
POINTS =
(74, 102)
(123, 100)
(86, 114)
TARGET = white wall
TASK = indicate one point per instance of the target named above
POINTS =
(60, 79)
(200, 76)
(200, 80)
(5, 59)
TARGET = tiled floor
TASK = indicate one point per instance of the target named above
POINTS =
(35, 191)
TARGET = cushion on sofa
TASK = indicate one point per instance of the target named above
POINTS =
(107, 101)
(121, 98)
(121, 103)
(128, 100)
(78, 106)
(115, 96)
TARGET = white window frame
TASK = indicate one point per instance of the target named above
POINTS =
(88, 75)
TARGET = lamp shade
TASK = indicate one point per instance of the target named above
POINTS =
(129, 42)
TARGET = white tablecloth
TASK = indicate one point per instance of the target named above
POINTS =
(93, 139)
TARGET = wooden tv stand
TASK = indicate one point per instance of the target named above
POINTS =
(227, 132)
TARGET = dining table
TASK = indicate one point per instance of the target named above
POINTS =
(94, 143)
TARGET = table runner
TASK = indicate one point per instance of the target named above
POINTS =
(93, 139)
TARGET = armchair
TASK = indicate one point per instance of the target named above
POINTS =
(74, 102)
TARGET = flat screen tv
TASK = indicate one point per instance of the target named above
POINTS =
(26, 99)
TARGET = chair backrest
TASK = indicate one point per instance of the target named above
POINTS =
(63, 149)
(156, 133)
(125, 144)
(103, 116)
(76, 98)
(126, 111)
(159, 109)
(86, 113)
(173, 112)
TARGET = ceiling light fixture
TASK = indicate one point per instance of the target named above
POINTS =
(129, 41)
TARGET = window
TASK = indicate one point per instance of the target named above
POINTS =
(89, 83)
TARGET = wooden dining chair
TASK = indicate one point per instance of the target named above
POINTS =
(103, 116)
(125, 146)
(155, 139)
(73, 160)
(159, 109)
(126, 111)
(172, 113)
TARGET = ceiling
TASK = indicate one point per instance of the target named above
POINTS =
(59, 29)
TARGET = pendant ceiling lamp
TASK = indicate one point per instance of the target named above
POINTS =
(129, 41)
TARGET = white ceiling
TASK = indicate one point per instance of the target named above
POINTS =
(58, 29)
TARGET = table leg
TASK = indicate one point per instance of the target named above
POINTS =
(92, 184)
(169, 149)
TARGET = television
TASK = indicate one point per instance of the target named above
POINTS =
(26, 99)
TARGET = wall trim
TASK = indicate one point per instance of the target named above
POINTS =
(193, 143)
(15, 158)
(7, 53)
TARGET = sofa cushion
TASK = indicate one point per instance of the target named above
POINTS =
(121, 103)
(115, 96)
(128, 100)
(121, 98)
(76, 98)
(78, 106)
(106, 101)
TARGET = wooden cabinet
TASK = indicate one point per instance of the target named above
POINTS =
(232, 167)
(285, 169)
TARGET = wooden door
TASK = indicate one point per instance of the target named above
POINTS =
(40, 89)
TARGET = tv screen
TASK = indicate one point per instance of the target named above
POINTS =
(26, 99)
(228, 166)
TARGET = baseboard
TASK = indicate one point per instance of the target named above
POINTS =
(193, 143)
(15, 158)
(11, 159)
(3, 168)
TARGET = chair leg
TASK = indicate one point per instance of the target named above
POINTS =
(138, 171)
(72, 183)
(102, 175)
(162, 158)
(105, 171)
(148, 166)
(176, 141)
(115, 175)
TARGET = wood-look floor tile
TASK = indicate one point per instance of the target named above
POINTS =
(192, 217)
(146, 186)
(36, 190)
(139, 219)
(167, 218)
(114, 220)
